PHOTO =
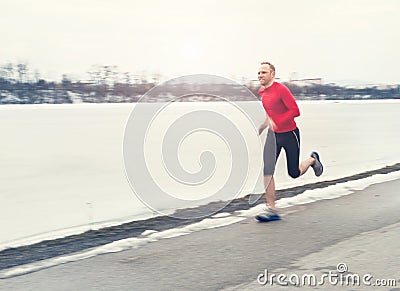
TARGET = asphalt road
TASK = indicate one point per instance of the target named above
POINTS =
(361, 230)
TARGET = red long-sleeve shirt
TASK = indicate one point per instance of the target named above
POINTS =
(280, 106)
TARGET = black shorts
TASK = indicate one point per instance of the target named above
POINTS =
(290, 141)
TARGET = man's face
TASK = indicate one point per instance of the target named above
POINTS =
(265, 75)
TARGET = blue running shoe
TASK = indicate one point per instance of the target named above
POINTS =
(268, 215)
(317, 166)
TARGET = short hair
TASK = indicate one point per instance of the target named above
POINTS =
(271, 66)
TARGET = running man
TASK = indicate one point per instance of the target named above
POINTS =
(281, 109)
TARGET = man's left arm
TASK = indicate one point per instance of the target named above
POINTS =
(290, 103)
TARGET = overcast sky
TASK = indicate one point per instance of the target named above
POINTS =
(335, 39)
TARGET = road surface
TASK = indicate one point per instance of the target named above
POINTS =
(360, 232)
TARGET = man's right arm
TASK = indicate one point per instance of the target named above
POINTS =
(267, 122)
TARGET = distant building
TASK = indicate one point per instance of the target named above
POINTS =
(306, 82)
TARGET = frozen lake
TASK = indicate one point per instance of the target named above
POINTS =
(63, 170)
